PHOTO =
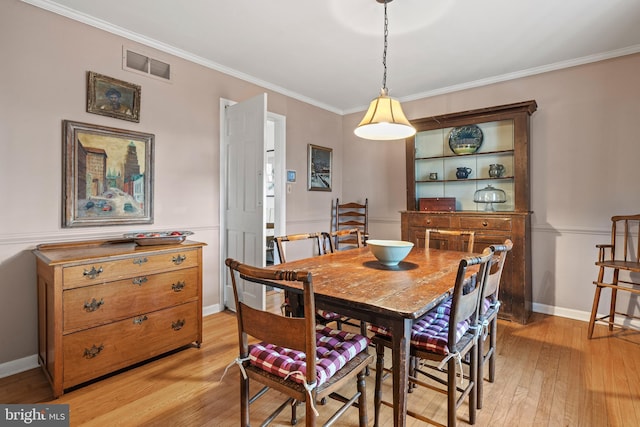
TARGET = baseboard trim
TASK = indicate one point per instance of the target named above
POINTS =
(583, 316)
(20, 365)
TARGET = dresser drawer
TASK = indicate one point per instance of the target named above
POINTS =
(480, 223)
(98, 351)
(429, 221)
(98, 271)
(94, 305)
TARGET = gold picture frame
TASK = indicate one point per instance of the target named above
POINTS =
(112, 97)
(107, 176)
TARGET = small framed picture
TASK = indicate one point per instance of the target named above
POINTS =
(108, 176)
(114, 98)
(319, 168)
(291, 176)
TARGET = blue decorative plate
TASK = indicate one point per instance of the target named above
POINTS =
(465, 139)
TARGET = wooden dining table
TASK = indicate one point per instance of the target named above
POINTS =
(354, 284)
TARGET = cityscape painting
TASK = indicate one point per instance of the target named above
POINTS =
(108, 176)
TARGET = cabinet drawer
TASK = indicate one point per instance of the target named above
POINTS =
(98, 351)
(94, 305)
(429, 221)
(481, 223)
(99, 271)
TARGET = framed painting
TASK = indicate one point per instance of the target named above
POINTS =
(319, 168)
(114, 98)
(107, 176)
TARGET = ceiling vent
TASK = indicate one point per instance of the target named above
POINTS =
(143, 64)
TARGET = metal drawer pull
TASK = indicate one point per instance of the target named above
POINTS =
(177, 287)
(138, 320)
(93, 305)
(139, 281)
(140, 261)
(177, 260)
(93, 273)
(90, 353)
(177, 325)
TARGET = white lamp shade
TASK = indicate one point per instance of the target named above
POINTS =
(384, 121)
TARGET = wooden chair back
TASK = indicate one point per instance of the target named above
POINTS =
(492, 286)
(466, 300)
(333, 237)
(625, 240)
(450, 237)
(348, 216)
(279, 240)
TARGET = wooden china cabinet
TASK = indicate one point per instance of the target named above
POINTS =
(439, 196)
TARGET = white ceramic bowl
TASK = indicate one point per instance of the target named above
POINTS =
(389, 252)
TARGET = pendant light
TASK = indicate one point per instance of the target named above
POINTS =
(384, 119)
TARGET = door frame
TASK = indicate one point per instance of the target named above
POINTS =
(280, 176)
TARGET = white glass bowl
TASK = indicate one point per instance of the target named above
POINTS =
(389, 252)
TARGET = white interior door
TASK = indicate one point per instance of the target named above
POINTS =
(244, 231)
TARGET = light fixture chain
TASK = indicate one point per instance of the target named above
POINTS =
(384, 53)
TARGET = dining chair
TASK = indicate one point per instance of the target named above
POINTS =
(292, 305)
(331, 238)
(292, 355)
(619, 263)
(443, 338)
(490, 306)
(449, 239)
(351, 215)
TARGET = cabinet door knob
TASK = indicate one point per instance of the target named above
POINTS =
(485, 223)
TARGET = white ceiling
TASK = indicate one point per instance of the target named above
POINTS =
(329, 52)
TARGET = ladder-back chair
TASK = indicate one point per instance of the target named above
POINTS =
(619, 265)
(293, 356)
(351, 215)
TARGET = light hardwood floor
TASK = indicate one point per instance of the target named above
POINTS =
(548, 374)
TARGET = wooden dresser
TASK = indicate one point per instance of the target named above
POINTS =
(106, 305)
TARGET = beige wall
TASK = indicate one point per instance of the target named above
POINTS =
(43, 81)
(584, 153)
(584, 160)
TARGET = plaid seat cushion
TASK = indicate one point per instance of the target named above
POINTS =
(328, 315)
(431, 333)
(334, 349)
